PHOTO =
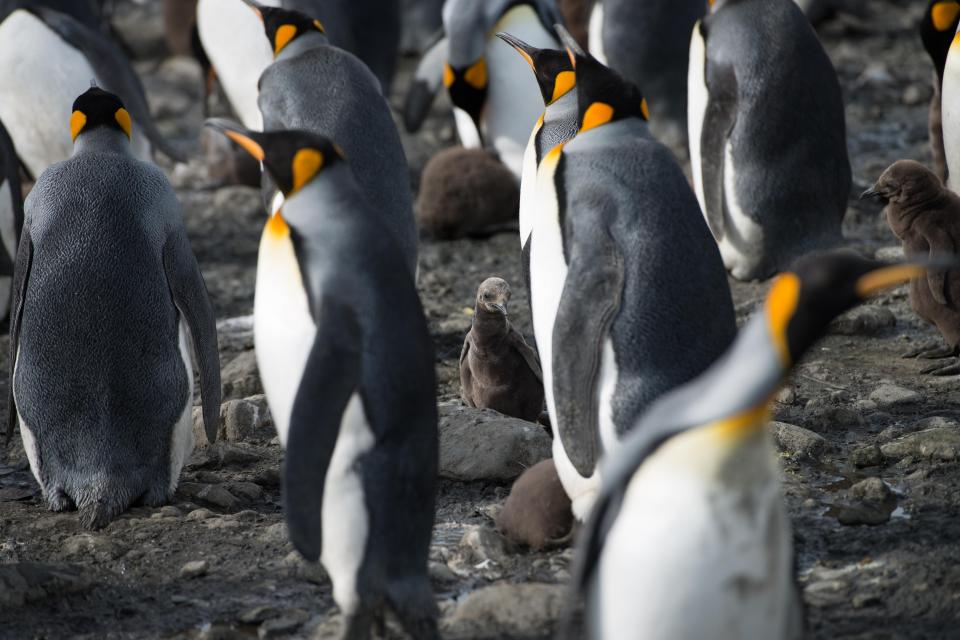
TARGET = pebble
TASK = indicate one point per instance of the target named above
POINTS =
(218, 496)
(797, 441)
(483, 543)
(246, 490)
(786, 395)
(257, 615)
(246, 516)
(275, 534)
(915, 94)
(440, 572)
(872, 490)
(861, 514)
(939, 443)
(868, 456)
(866, 320)
(200, 514)
(194, 569)
(480, 444)
(507, 611)
(889, 395)
(288, 621)
(101, 548)
(223, 523)
(826, 593)
(25, 582)
(298, 567)
(241, 378)
(243, 421)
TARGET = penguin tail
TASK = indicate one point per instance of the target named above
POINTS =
(98, 514)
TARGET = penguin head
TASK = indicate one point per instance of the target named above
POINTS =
(293, 158)
(283, 26)
(603, 95)
(938, 28)
(493, 296)
(467, 86)
(905, 182)
(98, 108)
(821, 286)
(552, 68)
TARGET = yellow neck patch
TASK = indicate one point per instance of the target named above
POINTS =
(476, 75)
(742, 424)
(565, 81)
(645, 109)
(596, 114)
(276, 228)
(283, 37)
(306, 164)
(780, 306)
(78, 120)
(942, 14)
(122, 117)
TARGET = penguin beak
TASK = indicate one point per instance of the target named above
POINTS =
(238, 134)
(872, 192)
(502, 308)
(522, 47)
(891, 276)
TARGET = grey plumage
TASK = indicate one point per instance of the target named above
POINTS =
(87, 12)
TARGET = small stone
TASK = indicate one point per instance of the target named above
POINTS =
(914, 94)
(268, 477)
(218, 496)
(871, 490)
(939, 443)
(786, 395)
(243, 421)
(507, 611)
(440, 572)
(865, 320)
(170, 512)
(861, 514)
(889, 395)
(483, 543)
(300, 568)
(826, 593)
(797, 441)
(868, 456)
(288, 622)
(241, 377)
(275, 534)
(246, 516)
(258, 615)
(24, 582)
(223, 523)
(200, 514)
(247, 490)
(194, 569)
(101, 548)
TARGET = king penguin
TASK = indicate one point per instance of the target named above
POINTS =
(495, 103)
(937, 30)
(692, 514)
(949, 101)
(620, 315)
(47, 59)
(87, 12)
(11, 216)
(648, 44)
(766, 207)
(347, 365)
(557, 81)
(318, 87)
(108, 298)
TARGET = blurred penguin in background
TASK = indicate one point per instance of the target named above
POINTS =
(11, 217)
(938, 28)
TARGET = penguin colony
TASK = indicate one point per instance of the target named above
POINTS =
(653, 397)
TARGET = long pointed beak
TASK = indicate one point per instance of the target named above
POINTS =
(238, 134)
(870, 193)
(890, 276)
(522, 47)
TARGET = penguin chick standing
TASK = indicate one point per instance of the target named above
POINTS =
(937, 29)
(320, 88)
(495, 103)
(347, 365)
(925, 216)
(768, 144)
(11, 217)
(620, 312)
(498, 369)
(107, 299)
(692, 513)
(46, 60)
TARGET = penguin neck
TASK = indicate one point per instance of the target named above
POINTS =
(489, 325)
(102, 139)
(304, 43)
(906, 213)
(563, 106)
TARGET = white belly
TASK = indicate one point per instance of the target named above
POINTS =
(697, 99)
(950, 102)
(514, 101)
(181, 443)
(234, 40)
(466, 129)
(528, 189)
(595, 33)
(606, 386)
(345, 519)
(283, 328)
(26, 433)
(742, 245)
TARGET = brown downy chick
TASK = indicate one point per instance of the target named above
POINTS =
(537, 512)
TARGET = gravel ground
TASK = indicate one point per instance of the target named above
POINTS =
(869, 447)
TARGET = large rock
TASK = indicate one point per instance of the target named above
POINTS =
(798, 442)
(481, 444)
(241, 378)
(889, 395)
(28, 582)
(507, 611)
(939, 443)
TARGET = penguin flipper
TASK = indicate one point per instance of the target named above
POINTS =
(189, 294)
(588, 304)
(718, 122)
(21, 275)
(515, 340)
(940, 244)
(426, 84)
(330, 377)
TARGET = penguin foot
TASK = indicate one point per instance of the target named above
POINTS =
(942, 370)
(57, 500)
(97, 515)
(931, 351)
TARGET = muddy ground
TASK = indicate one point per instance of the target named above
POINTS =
(876, 559)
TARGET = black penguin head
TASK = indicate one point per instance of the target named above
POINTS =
(603, 95)
(99, 108)
(493, 296)
(293, 158)
(821, 286)
(937, 30)
(283, 26)
(551, 67)
(906, 182)
(467, 86)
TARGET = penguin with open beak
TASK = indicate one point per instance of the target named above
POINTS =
(691, 514)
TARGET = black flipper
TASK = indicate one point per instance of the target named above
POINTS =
(330, 378)
(515, 340)
(189, 294)
(21, 275)
(588, 305)
(9, 165)
(426, 83)
(718, 123)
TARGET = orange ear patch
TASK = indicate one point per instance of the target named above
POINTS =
(306, 164)
(780, 306)
(123, 119)
(284, 35)
(943, 14)
(448, 76)
(78, 120)
(564, 82)
(476, 75)
(645, 109)
(596, 114)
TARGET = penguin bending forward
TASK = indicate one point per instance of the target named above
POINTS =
(347, 365)
(108, 298)
(629, 295)
(716, 561)
(768, 146)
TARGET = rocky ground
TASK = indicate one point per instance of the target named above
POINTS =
(870, 448)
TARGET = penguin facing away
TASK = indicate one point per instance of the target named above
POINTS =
(766, 206)
(937, 29)
(630, 316)
(701, 459)
(347, 365)
(103, 393)
(11, 217)
(42, 43)
(950, 94)
(495, 103)
(317, 87)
